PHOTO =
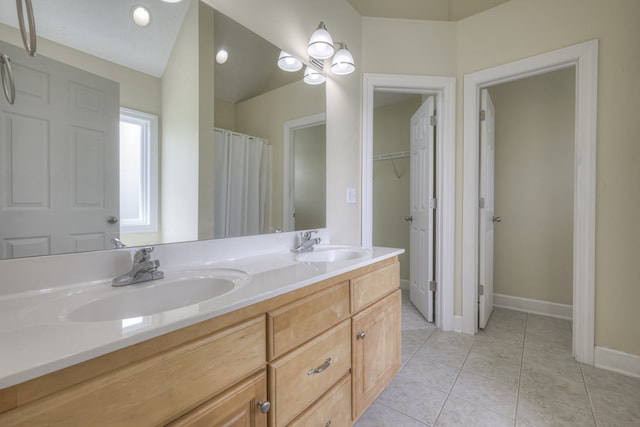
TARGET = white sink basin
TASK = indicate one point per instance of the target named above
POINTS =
(332, 253)
(158, 296)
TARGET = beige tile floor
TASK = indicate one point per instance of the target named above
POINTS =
(517, 372)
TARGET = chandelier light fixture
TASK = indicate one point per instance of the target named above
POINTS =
(320, 48)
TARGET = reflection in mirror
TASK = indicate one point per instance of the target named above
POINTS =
(59, 143)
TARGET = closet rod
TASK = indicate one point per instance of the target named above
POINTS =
(391, 156)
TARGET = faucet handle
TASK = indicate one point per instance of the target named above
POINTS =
(142, 255)
(307, 234)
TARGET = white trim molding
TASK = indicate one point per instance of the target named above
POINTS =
(534, 306)
(617, 361)
(288, 165)
(445, 90)
(584, 57)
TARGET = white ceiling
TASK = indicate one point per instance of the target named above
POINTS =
(104, 28)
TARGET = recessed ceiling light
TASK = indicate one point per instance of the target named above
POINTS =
(141, 16)
(172, 1)
(222, 56)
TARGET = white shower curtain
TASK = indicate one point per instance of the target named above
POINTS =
(242, 184)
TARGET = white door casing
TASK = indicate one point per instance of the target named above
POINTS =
(584, 57)
(288, 191)
(445, 89)
(59, 151)
(487, 199)
(422, 222)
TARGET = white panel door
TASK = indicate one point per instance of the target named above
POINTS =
(487, 158)
(59, 159)
(422, 198)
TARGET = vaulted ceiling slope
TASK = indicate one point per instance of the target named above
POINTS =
(430, 10)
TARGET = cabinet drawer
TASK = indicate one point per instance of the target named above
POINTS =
(292, 325)
(370, 287)
(156, 389)
(297, 379)
(333, 409)
(235, 407)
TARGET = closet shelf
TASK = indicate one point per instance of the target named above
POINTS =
(391, 156)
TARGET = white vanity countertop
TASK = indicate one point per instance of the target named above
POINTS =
(36, 338)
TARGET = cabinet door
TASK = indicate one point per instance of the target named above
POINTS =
(376, 350)
(238, 407)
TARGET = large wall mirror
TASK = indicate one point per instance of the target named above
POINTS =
(139, 134)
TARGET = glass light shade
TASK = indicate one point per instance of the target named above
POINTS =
(288, 62)
(141, 16)
(342, 63)
(320, 44)
(313, 77)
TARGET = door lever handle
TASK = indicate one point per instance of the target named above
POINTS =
(408, 218)
(497, 219)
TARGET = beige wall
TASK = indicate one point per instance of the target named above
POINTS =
(512, 31)
(180, 143)
(264, 116)
(391, 196)
(408, 47)
(533, 252)
(225, 114)
(206, 134)
(310, 150)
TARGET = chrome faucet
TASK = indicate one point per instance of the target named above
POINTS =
(143, 269)
(306, 242)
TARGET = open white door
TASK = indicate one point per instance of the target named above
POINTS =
(487, 158)
(58, 159)
(422, 198)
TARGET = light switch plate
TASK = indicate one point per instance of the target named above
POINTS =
(351, 195)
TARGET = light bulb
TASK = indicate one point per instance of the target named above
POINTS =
(222, 56)
(313, 77)
(141, 16)
(288, 62)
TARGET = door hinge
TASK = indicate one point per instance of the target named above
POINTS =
(481, 290)
(433, 203)
(433, 286)
(483, 115)
(481, 203)
(433, 120)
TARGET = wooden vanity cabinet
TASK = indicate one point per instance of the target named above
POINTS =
(301, 353)
(155, 390)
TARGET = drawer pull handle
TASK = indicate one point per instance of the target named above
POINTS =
(361, 335)
(320, 368)
(264, 406)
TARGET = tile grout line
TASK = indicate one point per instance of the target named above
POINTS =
(593, 412)
(524, 340)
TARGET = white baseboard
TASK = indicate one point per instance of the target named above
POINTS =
(457, 323)
(552, 309)
(617, 361)
(404, 284)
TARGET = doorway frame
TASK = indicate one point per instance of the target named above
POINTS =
(584, 57)
(288, 181)
(445, 90)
